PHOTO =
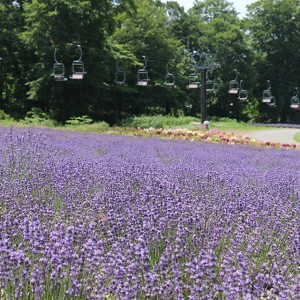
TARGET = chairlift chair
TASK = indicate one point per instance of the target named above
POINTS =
(142, 75)
(194, 81)
(58, 69)
(295, 101)
(59, 72)
(272, 102)
(210, 85)
(243, 94)
(78, 67)
(267, 95)
(142, 78)
(169, 78)
(120, 76)
(234, 85)
(77, 70)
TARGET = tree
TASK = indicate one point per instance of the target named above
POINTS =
(275, 35)
(13, 89)
(216, 29)
(62, 25)
(145, 32)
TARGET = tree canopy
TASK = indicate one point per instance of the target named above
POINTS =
(119, 37)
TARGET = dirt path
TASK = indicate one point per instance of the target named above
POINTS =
(282, 135)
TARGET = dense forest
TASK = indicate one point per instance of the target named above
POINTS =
(108, 46)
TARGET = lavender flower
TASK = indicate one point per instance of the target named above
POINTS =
(88, 216)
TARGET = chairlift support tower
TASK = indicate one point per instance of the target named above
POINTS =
(206, 63)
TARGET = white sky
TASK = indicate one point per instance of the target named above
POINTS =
(239, 5)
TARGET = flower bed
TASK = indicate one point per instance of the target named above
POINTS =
(90, 216)
(210, 136)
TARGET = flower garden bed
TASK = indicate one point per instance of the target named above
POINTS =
(215, 136)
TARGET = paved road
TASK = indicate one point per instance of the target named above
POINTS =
(282, 135)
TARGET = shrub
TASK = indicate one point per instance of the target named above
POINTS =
(37, 116)
(4, 116)
(157, 121)
(79, 120)
(99, 127)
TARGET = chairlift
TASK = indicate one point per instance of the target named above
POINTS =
(210, 85)
(194, 81)
(243, 94)
(170, 78)
(78, 67)
(295, 101)
(267, 95)
(234, 85)
(142, 75)
(120, 76)
(58, 70)
(272, 103)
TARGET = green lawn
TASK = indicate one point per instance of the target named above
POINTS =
(226, 125)
(297, 137)
(164, 122)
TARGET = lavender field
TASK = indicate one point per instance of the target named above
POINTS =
(88, 216)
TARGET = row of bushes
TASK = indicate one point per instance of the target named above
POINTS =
(37, 116)
(84, 123)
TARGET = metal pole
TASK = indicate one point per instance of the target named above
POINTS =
(207, 65)
(203, 94)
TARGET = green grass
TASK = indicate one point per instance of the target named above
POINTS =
(159, 121)
(94, 127)
(297, 137)
(164, 122)
(184, 122)
(231, 125)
